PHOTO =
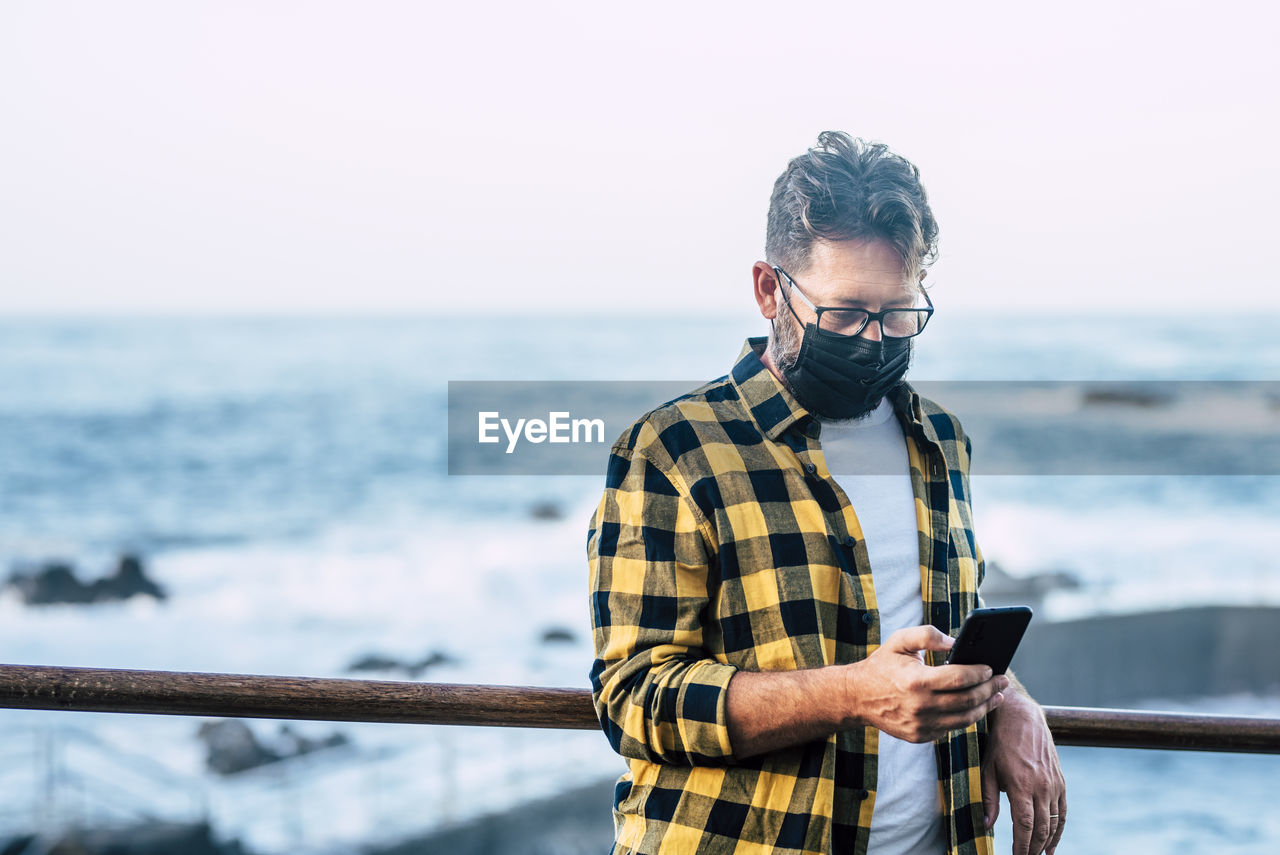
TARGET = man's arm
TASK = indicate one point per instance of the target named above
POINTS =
(1022, 760)
(892, 690)
(658, 694)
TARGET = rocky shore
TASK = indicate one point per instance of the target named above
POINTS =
(148, 838)
(576, 822)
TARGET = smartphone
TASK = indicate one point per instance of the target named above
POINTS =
(990, 637)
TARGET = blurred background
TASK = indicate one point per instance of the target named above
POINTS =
(244, 247)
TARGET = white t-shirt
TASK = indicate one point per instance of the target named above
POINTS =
(868, 459)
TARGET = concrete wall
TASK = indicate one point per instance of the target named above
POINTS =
(1124, 659)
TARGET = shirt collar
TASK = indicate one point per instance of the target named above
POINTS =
(775, 409)
(772, 406)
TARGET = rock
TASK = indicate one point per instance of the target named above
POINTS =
(558, 635)
(431, 660)
(1000, 588)
(148, 838)
(576, 822)
(56, 582)
(16, 845)
(376, 662)
(1132, 396)
(546, 511)
(290, 743)
(130, 580)
(232, 747)
(382, 662)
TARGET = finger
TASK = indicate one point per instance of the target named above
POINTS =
(967, 699)
(951, 678)
(990, 795)
(1023, 814)
(917, 638)
(1062, 823)
(949, 723)
(1043, 826)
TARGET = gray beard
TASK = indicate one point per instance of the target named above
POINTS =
(784, 345)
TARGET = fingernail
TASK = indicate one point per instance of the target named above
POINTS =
(986, 820)
(988, 677)
(997, 699)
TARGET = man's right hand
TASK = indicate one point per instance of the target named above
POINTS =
(893, 689)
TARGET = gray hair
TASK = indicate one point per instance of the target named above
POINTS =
(848, 189)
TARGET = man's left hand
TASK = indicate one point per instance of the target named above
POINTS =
(1023, 762)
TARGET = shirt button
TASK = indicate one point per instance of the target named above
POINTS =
(849, 542)
(868, 618)
(862, 794)
(811, 468)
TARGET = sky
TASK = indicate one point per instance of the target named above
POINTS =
(379, 157)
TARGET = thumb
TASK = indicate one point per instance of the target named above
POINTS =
(990, 794)
(917, 638)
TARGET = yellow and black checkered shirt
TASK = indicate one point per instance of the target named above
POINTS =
(723, 543)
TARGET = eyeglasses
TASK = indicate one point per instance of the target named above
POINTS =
(894, 323)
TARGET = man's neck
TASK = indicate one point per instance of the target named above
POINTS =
(766, 358)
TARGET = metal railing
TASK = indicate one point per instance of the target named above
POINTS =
(320, 699)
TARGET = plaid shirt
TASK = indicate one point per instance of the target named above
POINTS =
(723, 543)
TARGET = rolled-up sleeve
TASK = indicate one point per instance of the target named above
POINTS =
(658, 693)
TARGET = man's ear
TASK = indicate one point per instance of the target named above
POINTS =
(765, 285)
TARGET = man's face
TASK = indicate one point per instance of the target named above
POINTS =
(857, 274)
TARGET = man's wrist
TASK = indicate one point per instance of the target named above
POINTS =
(1017, 704)
(850, 677)
(833, 691)
(768, 710)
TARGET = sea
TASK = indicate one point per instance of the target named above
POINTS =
(286, 481)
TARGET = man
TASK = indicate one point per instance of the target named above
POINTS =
(782, 556)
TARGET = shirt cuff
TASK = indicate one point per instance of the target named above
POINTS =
(703, 718)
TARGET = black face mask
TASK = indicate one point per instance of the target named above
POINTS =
(841, 377)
